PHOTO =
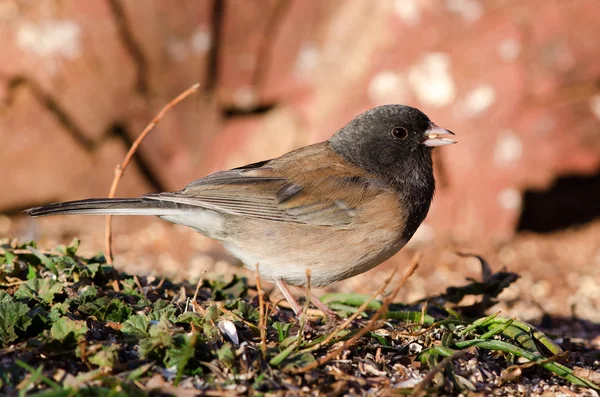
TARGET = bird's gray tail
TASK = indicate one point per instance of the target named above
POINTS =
(106, 206)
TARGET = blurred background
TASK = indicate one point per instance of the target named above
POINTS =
(518, 81)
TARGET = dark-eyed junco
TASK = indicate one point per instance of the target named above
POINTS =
(339, 207)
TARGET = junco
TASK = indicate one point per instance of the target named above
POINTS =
(339, 207)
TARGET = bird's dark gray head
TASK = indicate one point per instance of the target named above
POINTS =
(393, 142)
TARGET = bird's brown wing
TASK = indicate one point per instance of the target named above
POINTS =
(312, 185)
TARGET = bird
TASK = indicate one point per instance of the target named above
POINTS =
(338, 207)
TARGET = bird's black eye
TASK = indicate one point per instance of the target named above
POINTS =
(400, 133)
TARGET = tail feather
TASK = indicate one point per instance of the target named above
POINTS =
(105, 206)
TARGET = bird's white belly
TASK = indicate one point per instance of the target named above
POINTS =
(326, 267)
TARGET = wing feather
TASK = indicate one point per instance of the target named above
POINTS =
(276, 190)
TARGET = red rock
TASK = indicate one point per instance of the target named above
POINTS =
(47, 164)
(515, 81)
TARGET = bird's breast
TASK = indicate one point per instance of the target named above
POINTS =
(285, 250)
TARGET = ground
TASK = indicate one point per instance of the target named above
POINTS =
(73, 324)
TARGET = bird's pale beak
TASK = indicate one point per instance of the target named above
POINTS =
(437, 136)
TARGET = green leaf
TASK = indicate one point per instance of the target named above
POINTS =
(5, 297)
(228, 290)
(31, 272)
(300, 360)
(105, 309)
(557, 368)
(136, 325)
(382, 341)
(181, 355)
(340, 307)
(88, 294)
(278, 359)
(72, 248)
(159, 338)
(67, 330)
(117, 311)
(64, 263)
(283, 330)
(212, 313)
(48, 264)
(130, 288)
(190, 317)
(480, 322)
(96, 308)
(107, 357)
(58, 310)
(413, 317)
(89, 270)
(139, 371)
(9, 258)
(226, 355)
(163, 309)
(246, 311)
(12, 315)
(41, 289)
(210, 330)
(351, 299)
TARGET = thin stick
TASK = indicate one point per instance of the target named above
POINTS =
(303, 315)
(361, 309)
(138, 284)
(120, 168)
(227, 311)
(196, 307)
(262, 321)
(160, 283)
(423, 313)
(200, 281)
(370, 325)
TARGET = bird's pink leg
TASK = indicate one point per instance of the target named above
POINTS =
(296, 306)
(289, 297)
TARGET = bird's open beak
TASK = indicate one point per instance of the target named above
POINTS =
(437, 136)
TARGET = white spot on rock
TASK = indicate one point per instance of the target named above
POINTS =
(510, 199)
(178, 50)
(245, 97)
(479, 100)
(432, 81)
(414, 348)
(386, 87)
(595, 106)
(509, 50)
(200, 41)
(228, 328)
(50, 38)
(409, 11)
(469, 10)
(308, 59)
(508, 149)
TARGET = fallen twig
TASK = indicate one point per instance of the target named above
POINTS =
(361, 309)
(262, 323)
(120, 168)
